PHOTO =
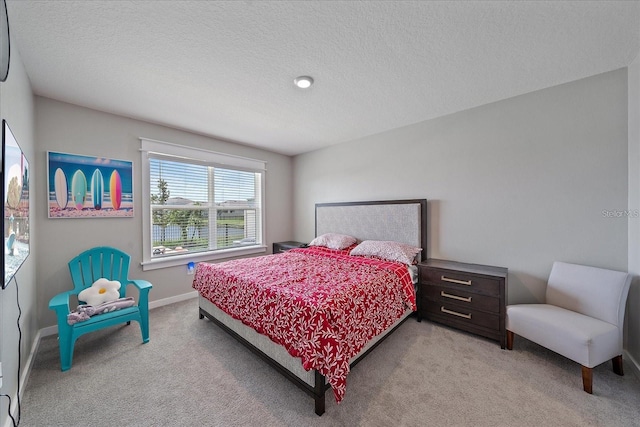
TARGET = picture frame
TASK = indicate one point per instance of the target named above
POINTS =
(82, 186)
(14, 175)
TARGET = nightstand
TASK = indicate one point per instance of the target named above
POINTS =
(470, 297)
(285, 246)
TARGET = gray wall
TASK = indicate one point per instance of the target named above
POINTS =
(72, 129)
(16, 107)
(633, 302)
(517, 183)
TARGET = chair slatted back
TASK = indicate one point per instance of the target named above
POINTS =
(100, 262)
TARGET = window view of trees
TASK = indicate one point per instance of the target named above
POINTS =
(185, 199)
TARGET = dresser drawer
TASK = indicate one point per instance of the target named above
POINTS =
(458, 280)
(470, 297)
(460, 297)
(455, 314)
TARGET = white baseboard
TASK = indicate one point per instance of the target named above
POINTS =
(13, 409)
(49, 330)
(635, 366)
(53, 330)
(171, 300)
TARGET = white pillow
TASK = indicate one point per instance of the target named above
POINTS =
(102, 290)
(387, 250)
(334, 241)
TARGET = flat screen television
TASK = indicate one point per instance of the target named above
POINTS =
(15, 183)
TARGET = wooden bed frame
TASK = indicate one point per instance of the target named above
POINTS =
(398, 220)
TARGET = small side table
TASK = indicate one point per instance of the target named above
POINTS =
(285, 246)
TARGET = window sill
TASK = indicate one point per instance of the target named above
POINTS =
(184, 259)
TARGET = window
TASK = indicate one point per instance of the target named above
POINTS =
(199, 205)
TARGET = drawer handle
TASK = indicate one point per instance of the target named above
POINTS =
(460, 282)
(455, 313)
(465, 299)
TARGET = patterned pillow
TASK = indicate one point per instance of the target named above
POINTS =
(390, 251)
(333, 241)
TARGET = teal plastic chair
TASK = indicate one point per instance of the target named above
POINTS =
(91, 265)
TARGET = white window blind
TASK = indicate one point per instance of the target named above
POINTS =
(201, 204)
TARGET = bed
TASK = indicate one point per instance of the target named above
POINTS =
(313, 313)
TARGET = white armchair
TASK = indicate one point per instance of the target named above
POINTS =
(581, 319)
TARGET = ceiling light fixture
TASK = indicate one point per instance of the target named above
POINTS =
(303, 82)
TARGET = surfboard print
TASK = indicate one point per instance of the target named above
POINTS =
(115, 190)
(97, 188)
(78, 189)
(60, 188)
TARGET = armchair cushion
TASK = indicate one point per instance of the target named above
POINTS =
(583, 339)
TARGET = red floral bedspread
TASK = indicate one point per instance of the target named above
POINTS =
(321, 305)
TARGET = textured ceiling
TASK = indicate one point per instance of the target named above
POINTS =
(226, 69)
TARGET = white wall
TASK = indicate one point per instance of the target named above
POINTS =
(72, 129)
(517, 183)
(16, 107)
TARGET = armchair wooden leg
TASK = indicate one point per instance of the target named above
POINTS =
(617, 365)
(510, 340)
(587, 379)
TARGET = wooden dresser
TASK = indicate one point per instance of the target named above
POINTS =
(470, 297)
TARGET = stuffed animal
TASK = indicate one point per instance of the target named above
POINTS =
(102, 290)
(85, 311)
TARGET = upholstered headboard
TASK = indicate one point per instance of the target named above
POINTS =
(398, 220)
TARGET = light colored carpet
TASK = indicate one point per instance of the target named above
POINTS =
(192, 373)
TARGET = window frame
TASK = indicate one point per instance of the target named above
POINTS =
(198, 155)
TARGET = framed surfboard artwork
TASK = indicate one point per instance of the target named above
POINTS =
(89, 187)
